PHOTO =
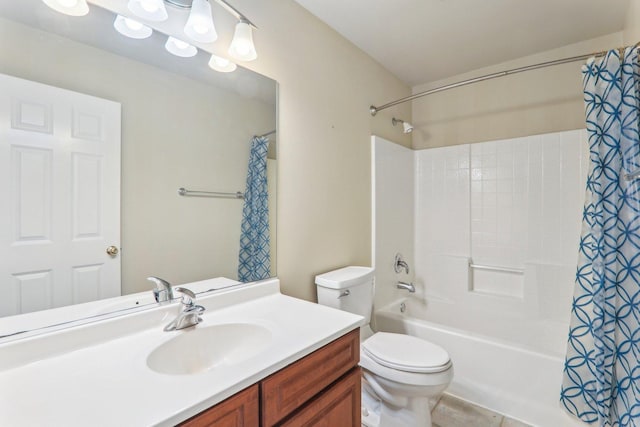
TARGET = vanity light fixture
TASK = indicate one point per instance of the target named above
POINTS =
(69, 7)
(151, 10)
(242, 47)
(199, 26)
(222, 65)
(130, 28)
(180, 48)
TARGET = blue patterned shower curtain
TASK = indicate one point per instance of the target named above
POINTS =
(255, 257)
(601, 383)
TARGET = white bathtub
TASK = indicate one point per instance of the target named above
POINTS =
(518, 375)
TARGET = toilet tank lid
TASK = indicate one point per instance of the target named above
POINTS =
(344, 277)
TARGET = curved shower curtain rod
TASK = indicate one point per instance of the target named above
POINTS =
(374, 110)
(264, 135)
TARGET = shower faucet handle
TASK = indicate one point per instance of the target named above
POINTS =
(399, 264)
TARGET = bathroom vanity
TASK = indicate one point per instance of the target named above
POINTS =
(257, 358)
(324, 384)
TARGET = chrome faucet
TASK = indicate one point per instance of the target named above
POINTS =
(407, 286)
(400, 264)
(162, 292)
(190, 314)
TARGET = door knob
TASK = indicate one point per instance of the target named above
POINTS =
(112, 251)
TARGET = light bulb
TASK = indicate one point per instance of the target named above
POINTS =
(180, 48)
(199, 26)
(151, 10)
(131, 28)
(69, 7)
(221, 62)
(242, 47)
(149, 5)
(180, 44)
(222, 65)
(134, 25)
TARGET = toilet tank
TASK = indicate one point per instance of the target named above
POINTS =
(348, 289)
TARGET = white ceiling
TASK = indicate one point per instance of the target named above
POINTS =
(426, 40)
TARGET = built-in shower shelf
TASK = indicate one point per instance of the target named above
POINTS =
(496, 280)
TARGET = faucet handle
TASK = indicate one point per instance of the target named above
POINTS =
(190, 315)
(399, 264)
(188, 297)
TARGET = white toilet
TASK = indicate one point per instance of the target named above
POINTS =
(400, 373)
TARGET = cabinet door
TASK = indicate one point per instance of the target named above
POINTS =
(289, 389)
(338, 406)
(240, 410)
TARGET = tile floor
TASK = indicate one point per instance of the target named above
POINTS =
(453, 412)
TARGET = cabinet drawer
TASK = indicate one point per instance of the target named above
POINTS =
(287, 390)
(240, 410)
(338, 406)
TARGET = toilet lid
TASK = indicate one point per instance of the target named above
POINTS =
(406, 353)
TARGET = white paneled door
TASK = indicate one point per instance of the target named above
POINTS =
(60, 197)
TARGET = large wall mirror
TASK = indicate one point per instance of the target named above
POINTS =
(71, 83)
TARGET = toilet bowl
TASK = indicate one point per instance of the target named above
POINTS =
(402, 375)
(405, 375)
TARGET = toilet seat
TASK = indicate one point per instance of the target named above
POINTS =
(406, 353)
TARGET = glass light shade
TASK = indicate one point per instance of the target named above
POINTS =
(180, 48)
(130, 28)
(222, 65)
(242, 47)
(69, 7)
(151, 10)
(199, 26)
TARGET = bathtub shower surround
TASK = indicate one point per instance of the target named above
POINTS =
(601, 372)
(510, 203)
(392, 222)
(511, 208)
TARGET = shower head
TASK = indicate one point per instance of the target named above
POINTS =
(406, 126)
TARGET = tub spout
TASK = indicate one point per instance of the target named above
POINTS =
(407, 286)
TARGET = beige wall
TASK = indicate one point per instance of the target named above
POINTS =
(533, 102)
(631, 30)
(324, 165)
(176, 132)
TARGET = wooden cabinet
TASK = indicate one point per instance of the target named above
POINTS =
(338, 406)
(240, 410)
(321, 389)
(286, 390)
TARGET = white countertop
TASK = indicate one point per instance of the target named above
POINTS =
(97, 374)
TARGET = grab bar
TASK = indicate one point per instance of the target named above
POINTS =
(497, 268)
(196, 193)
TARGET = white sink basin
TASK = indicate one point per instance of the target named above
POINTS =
(200, 349)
